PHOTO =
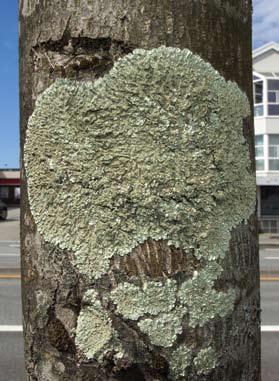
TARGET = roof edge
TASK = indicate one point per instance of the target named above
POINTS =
(265, 48)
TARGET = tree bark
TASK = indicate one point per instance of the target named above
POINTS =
(81, 40)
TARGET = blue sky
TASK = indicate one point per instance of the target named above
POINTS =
(265, 29)
(9, 130)
(265, 22)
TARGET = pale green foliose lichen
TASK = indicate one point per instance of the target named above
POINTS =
(196, 297)
(153, 298)
(203, 302)
(162, 330)
(206, 360)
(154, 149)
(94, 330)
(180, 359)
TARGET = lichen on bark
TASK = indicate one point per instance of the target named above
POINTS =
(206, 359)
(153, 150)
(180, 359)
(95, 334)
(153, 298)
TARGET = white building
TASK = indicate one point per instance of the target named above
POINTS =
(266, 112)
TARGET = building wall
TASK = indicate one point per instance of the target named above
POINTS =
(267, 62)
(266, 67)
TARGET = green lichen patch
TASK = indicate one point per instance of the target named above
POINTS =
(206, 360)
(162, 330)
(180, 359)
(153, 150)
(94, 330)
(203, 302)
(152, 298)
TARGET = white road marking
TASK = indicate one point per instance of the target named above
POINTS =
(14, 245)
(270, 328)
(271, 258)
(10, 328)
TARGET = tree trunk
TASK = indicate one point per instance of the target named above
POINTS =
(81, 40)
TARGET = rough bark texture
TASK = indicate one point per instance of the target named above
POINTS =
(81, 39)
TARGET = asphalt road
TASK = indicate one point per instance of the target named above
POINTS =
(9, 256)
(269, 260)
(11, 342)
(270, 304)
(270, 351)
(270, 321)
(10, 301)
(9, 243)
(11, 357)
(9, 229)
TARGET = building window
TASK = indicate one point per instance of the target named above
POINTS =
(273, 96)
(258, 98)
(273, 152)
(273, 109)
(4, 193)
(269, 201)
(258, 110)
(259, 151)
